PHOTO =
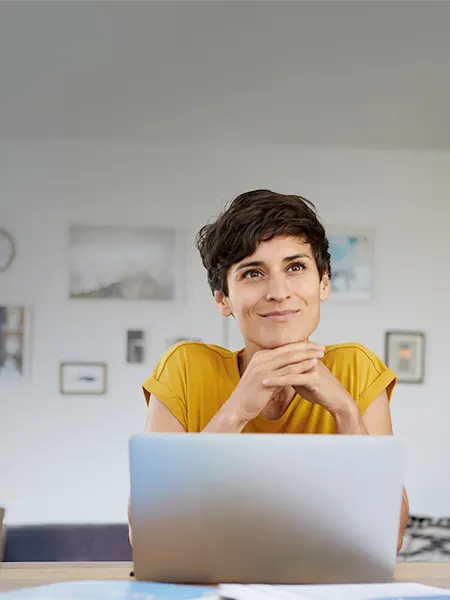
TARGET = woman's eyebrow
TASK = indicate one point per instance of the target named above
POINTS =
(261, 263)
(296, 256)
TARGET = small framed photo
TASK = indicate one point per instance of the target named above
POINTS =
(405, 355)
(84, 378)
(352, 265)
(15, 341)
(135, 346)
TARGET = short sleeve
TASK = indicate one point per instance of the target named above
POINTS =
(361, 372)
(374, 378)
(168, 383)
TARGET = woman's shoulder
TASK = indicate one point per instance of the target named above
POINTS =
(352, 358)
(360, 371)
(195, 353)
(198, 348)
(346, 350)
(185, 366)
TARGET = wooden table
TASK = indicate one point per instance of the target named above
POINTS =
(14, 576)
(20, 575)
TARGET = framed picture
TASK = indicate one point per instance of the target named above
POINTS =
(352, 266)
(15, 343)
(82, 378)
(135, 346)
(170, 342)
(405, 355)
(127, 263)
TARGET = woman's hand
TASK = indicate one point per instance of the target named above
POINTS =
(316, 384)
(320, 386)
(251, 394)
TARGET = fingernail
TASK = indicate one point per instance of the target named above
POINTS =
(266, 382)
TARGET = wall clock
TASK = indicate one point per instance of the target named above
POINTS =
(7, 250)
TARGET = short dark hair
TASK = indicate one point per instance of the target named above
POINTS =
(251, 218)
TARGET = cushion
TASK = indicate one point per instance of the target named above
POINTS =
(426, 539)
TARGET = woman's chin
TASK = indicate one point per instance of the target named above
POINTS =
(271, 342)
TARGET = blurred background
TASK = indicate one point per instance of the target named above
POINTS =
(124, 127)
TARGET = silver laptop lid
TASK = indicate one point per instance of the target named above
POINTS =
(210, 508)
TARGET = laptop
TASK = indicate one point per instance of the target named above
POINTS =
(265, 508)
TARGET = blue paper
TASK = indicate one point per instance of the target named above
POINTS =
(434, 597)
(112, 590)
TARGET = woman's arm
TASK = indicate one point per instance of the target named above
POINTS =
(377, 421)
(159, 420)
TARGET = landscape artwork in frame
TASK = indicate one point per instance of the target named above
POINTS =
(14, 341)
(129, 263)
(405, 355)
(352, 269)
(82, 378)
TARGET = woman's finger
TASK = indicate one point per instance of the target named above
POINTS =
(291, 379)
(293, 357)
(296, 369)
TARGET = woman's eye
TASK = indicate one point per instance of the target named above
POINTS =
(251, 274)
(296, 267)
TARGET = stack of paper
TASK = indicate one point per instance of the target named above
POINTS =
(377, 591)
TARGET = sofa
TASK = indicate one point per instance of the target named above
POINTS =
(426, 539)
(2, 516)
(67, 542)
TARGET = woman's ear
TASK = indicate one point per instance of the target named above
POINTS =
(223, 303)
(324, 287)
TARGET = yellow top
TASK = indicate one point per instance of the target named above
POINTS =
(193, 380)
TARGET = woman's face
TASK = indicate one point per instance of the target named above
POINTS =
(275, 293)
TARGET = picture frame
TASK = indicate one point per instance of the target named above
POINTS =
(136, 346)
(405, 355)
(15, 341)
(170, 342)
(352, 259)
(125, 263)
(82, 378)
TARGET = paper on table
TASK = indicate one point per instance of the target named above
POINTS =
(112, 590)
(377, 591)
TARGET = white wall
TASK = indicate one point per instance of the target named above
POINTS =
(65, 458)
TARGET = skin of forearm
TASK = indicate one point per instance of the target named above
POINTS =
(227, 420)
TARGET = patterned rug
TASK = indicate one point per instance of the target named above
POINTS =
(426, 539)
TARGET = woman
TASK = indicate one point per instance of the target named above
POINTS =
(268, 267)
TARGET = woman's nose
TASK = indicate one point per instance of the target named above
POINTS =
(278, 289)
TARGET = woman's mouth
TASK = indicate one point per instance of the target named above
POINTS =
(280, 315)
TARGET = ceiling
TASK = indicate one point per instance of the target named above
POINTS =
(355, 73)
